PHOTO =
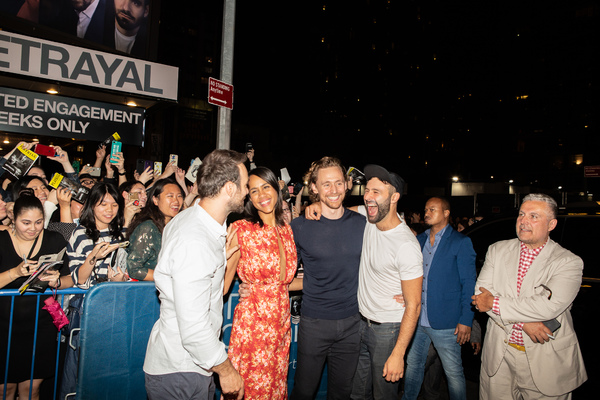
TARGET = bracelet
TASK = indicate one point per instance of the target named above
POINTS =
(121, 174)
(58, 283)
(93, 260)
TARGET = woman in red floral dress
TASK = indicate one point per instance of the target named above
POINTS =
(259, 346)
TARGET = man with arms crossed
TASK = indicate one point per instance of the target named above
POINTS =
(184, 347)
(391, 263)
(525, 284)
(446, 315)
(330, 250)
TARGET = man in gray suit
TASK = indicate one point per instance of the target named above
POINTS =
(527, 286)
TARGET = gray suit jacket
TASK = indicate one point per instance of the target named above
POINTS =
(556, 366)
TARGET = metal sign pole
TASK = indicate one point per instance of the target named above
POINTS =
(224, 115)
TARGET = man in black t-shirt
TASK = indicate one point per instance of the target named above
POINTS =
(330, 250)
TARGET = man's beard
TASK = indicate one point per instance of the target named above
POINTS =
(125, 23)
(383, 210)
(236, 205)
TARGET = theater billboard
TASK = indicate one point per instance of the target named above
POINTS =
(32, 57)
(35, 113)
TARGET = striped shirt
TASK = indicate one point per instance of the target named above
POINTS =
(526, 258)
(78, 248)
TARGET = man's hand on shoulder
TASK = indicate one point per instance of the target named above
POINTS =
(313, 212)
(232, 384)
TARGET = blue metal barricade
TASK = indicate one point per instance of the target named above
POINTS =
(115, 326)
(12, 294)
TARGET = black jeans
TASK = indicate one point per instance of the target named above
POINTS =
(335, 341)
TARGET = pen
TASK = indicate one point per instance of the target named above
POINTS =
(550, 336)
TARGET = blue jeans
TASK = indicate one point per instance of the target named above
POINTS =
(444, 341)
(376, 344)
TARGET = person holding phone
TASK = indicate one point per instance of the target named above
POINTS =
(260, 338)
(20, 248)
(98, 235)
(145, 231)
(133, 198)
(91, 253)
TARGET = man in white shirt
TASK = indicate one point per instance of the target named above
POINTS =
(130, 15)
(391, 263)
(184, 347)
(83, 18)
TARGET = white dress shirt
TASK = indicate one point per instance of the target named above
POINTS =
(189, 278)
(85, 17)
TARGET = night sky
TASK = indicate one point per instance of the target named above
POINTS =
(427, 89)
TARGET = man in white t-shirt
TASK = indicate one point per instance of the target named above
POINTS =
(391, 264)
(130, 15)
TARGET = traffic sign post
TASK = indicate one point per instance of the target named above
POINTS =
(220, 93)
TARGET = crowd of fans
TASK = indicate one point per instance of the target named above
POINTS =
(115, 235)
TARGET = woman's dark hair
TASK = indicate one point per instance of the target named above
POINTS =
(151, 210)
(88, 220)
(250, 212)
(18, 185)
(26, 201)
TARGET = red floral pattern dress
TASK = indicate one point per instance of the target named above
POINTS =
(259, 346)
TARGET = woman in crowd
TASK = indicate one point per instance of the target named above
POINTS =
(145, 231)
(40, 190)
(260, 337)
(20, 248)
(92, 251)
(96, 237)
(133, 198)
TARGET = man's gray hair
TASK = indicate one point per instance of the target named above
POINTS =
(546, 199)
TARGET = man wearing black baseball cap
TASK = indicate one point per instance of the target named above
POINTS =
(391, 263)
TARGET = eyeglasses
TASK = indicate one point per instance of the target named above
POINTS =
(287, 210)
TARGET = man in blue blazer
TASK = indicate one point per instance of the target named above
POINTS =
(446, 315)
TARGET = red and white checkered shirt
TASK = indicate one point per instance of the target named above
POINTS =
(526, 258)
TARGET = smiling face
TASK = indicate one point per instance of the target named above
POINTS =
(262, 195)
(535, 223)
(29, 223)
(377, 200)
(169, 202)
(39, 189)
(105, 211)
(330, 187)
